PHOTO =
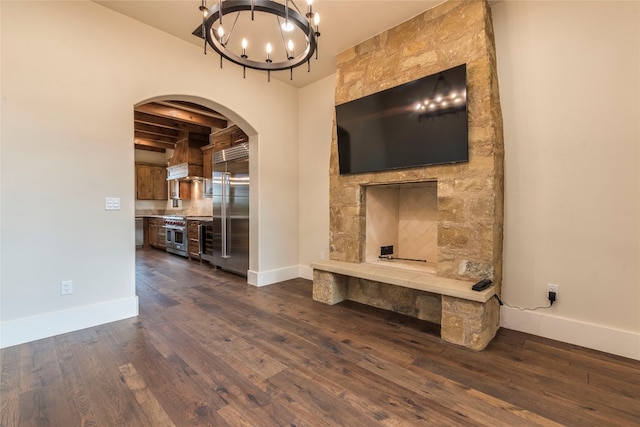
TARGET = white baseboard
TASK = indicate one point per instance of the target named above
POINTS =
(264, 278)
(597, 337)
(29, 329)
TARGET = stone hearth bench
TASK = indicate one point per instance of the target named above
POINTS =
(466, 317)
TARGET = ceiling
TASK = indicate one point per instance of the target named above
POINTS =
(159, 125)
(344, 23)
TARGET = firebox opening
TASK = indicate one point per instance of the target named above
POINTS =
(404, 216)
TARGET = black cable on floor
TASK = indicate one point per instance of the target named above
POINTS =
(521, 308)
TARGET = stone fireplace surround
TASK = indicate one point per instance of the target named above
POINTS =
(469, 195)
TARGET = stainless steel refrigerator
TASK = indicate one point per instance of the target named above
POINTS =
(225, 241)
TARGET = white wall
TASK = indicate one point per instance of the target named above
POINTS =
(71, 74)
(569, 88)
(315, 124)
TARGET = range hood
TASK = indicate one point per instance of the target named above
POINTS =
(186, 162)
(185, 172)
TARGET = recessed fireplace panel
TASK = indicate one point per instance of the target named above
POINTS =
(405, 216)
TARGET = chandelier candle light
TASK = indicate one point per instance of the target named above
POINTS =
(280, 25)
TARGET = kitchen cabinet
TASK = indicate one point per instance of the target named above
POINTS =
(152, 234)
(139, 233)
(207, 157)
(228, 137)
(193, 234)
(151, 182)
(185, 190)
(157, 233)
(207, 160)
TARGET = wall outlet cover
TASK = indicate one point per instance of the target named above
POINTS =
(66, 287)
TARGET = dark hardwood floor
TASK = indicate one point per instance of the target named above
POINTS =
(210, 350)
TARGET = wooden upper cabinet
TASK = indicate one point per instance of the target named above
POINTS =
(238, 136)
(185, 190)
(207, 160)
(144, 183)
(228, 137)
(159, 177)
(151, 182)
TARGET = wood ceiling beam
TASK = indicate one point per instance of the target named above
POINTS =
(190, 106)
(155, 130)
(147, 148)
(182, 115)
(146, 118)
(151, 143)
(154, 137)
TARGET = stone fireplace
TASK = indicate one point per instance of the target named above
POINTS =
(463, 213)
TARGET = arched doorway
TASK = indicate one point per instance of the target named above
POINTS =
(161, 126)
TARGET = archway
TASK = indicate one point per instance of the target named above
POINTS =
(232, 117)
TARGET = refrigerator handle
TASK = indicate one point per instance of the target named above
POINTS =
(226, 182)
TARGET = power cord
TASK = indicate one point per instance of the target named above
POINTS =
(552, 298)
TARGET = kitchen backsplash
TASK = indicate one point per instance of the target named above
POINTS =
(198, 205)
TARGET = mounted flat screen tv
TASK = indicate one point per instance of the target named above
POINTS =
(419, 123)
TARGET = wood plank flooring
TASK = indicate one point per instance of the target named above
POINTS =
(209, 350)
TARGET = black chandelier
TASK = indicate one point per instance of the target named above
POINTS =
(219, 24)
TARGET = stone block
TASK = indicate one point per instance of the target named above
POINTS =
(462, 307)
(453, 237)
(482, 208)
(418, 60)
(345, 247)
(445, 187)
(403, 300)
(345, 57)
(346, 219)
(483, 163)
(469, 323)
(429, 307)
(452, 328)
(371, 45)
(329, 288)
(451, 209)
(477, 183)
(342, 193)
(475, 270)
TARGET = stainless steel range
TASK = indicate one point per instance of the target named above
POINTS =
(177, 240)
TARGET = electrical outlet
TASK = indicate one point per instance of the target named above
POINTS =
(386, 250)
(322, 256)
(553, 288)
(66, 287)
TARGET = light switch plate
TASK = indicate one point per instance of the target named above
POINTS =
(112, 203)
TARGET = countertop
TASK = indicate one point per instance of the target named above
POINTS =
(192, 218)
